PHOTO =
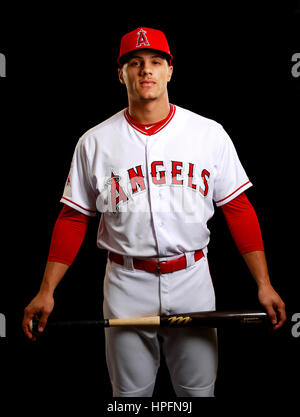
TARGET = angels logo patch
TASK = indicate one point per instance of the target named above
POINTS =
(142, 38)
(68, 184)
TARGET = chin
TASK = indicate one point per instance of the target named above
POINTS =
(151, 98)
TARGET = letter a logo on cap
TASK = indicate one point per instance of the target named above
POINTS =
(142, 38)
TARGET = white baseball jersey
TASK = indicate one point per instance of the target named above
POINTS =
(156, 192)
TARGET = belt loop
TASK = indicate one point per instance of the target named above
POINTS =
(128, 262)
(190, 259)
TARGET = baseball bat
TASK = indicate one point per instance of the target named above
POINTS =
(228, 318)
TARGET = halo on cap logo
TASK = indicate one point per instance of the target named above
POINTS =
(142, 38)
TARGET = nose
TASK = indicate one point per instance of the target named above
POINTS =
(146, 69)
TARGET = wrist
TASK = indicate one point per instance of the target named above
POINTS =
(53, 274)
(46, 289)
(263, 283)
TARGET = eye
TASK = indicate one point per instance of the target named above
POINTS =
(134, 63)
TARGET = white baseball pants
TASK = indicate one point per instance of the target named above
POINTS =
(133, 354)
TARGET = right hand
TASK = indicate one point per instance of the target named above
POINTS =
(39, 308)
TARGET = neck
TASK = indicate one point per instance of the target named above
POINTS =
(149, 111)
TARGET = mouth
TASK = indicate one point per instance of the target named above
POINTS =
(147, 83)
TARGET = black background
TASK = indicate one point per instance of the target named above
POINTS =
(231, 64)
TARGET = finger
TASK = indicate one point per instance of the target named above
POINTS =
(28, 316)
(282, 317)
(272, 314)
(28, 333)
(42, 322)
(26, 327)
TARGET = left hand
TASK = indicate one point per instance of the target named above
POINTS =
(273, 304)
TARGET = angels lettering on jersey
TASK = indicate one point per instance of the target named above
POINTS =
(172, 184)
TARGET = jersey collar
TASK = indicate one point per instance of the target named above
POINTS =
(152, 128)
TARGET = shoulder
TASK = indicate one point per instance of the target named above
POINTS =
(209, 130)
(110, 123)
(99, 132)
(198, 120)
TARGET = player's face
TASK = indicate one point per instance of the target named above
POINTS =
(146, 76)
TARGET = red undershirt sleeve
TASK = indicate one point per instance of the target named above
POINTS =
(243, 224)
(68, 234)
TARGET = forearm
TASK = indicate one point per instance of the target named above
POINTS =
(54, 273)
(257, 265)
(268, 297)
(245, 230)
(42, 304)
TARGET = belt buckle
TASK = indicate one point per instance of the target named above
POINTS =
(158, 266)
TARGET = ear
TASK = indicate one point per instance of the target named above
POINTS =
(121, 76)
(170, 73)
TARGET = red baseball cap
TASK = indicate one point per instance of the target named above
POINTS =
(144, 38)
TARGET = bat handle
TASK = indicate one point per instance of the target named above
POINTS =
(33, 324)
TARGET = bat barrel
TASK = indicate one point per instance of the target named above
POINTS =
(216, 319)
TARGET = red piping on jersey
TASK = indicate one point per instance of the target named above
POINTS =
(233, 192)
(91, 211)
(150, 128)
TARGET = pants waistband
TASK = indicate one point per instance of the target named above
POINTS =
(157, 267)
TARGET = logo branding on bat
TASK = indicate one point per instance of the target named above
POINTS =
(246, 320)
(175, 320)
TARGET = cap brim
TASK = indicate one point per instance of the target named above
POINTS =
(124, 58)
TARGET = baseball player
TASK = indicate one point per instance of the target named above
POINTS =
(155, 171)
